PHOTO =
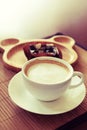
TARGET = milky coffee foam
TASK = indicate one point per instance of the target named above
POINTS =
(49, 72)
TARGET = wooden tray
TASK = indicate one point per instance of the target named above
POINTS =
(14, 57)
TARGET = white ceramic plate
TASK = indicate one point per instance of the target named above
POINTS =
(21, 97)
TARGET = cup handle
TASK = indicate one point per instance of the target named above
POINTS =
(81, 76)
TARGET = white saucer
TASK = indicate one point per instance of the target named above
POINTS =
(21, 97)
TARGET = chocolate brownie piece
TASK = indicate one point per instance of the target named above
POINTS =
(38, 49)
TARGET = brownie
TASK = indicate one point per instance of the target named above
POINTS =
(38, 49)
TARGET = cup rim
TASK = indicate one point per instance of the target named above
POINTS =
(48, 58)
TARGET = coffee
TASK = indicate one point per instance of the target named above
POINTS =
(46, 71)
(48, 78)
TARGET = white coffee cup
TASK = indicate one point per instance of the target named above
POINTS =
(48, 78)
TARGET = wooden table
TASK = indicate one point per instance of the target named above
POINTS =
(14, 118)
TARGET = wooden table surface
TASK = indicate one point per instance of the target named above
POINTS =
(14, 118)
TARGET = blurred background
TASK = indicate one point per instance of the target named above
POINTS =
(27, 19)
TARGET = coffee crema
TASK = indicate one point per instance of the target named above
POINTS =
(46, 71)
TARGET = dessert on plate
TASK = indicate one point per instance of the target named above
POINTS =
(37, 49)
